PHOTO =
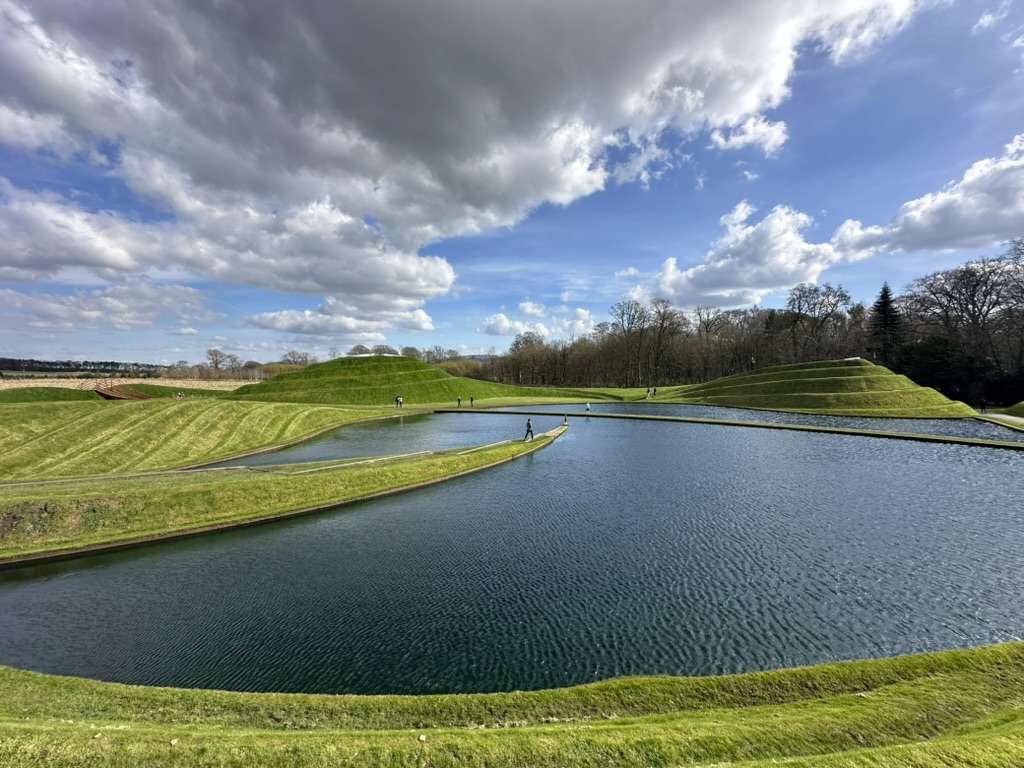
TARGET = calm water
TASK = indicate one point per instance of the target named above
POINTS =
(955, 427)
(624, 548)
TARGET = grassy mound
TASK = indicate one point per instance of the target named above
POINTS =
(45, 395)
(1016, 410)
(87, 438)
(377, 380)
(852, 387)
(944, 709)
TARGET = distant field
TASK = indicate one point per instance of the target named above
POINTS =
(67, 383)
(378, 380)
(84, 438)
(840, 387)
(45, 394)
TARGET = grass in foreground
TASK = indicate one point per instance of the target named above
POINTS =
(40, 440)
(46, 395)
(946, 709)
(852, 387)
(48, 516)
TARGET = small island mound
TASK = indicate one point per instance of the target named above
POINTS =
(851, 387)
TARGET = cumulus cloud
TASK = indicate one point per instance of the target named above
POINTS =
(749, 260)
(501, 325)
(989, 19)
(577, 323)
(327, 164)
(984, 207)
(186, 331)
(532, 308)
(754, 131)
(628, 272)
(122, 307)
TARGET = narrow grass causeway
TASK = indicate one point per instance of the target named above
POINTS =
(945, 709)
(851, 387)
(60, 439)
(47, 518)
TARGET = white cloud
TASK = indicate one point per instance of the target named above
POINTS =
(275, 185)
(531, 308)
(989, 19)
(627, 273)
(186, 331)
(750, 175)
(578, 323)
(500, 325)
(749, 260)
(565, 296)
(123, 307)
(984, 207)
(754, 131)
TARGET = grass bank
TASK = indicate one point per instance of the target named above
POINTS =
(53, 517)
(55, 439)
(945, 709)
(46, 395)
(1016, 410)
(851, 387)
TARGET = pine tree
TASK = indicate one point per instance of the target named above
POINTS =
(885, 326)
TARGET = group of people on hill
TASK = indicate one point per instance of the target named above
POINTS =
(472, 401)
(651, 392)
(399, 401)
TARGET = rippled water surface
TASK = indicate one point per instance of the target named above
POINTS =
(954, 427)
(624, 548)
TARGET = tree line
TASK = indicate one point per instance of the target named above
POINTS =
(960, 330)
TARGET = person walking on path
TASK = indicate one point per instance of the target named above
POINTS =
(529, 430)
(396, 402)
(470, 401)
(458, 402)
(588, 407)
(401, 401)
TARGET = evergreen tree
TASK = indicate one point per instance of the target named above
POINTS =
(885, 326)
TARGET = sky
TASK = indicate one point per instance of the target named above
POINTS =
(264, 176)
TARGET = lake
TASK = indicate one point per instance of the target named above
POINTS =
(624, 548)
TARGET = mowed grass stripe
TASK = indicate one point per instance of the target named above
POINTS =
(154, 434)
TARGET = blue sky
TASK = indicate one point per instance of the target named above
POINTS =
(458, 179)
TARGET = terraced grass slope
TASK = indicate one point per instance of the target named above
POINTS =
(377, 380)
(853, 387)
(85, 438)
(956, 708)
(1016, 410)
(45, 395)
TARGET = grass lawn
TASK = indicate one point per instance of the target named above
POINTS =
(46, 395)
(947, 709)
(158, 390)
(852, 387)
(1016, 410)
(44, 516)
(57, 439)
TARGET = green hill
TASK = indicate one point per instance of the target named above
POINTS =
(1017, 410)
(852, 387)
(88, 438)
(958, 708)
(378, 380)
(46, 395)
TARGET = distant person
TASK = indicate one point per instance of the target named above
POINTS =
(654, 392)
(565, 420)
(470, 401)
(458, 402)
(401, 401)
(529, 431)
(588, 407)
(397, 402)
